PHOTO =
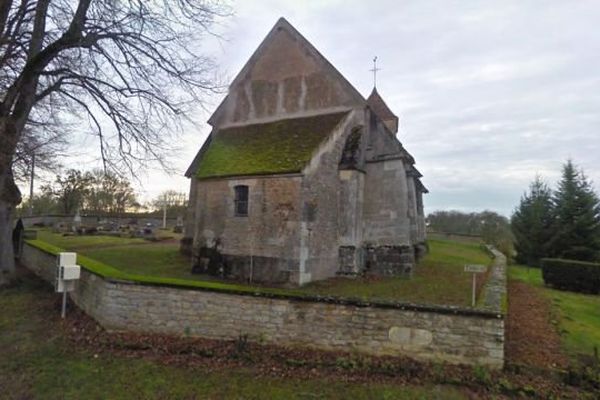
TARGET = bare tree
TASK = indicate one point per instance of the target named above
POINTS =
(109, 193)
(130, 69)
(70, 190)
(43, 143)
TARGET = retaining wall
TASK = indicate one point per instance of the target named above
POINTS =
(466, 336)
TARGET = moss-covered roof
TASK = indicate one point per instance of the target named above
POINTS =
(273, 148)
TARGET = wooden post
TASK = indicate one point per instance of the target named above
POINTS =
(63, 312)
(474, 289)
(474, 269)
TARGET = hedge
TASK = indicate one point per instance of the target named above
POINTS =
(577, 276)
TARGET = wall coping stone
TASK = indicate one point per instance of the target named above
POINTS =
(494, 292)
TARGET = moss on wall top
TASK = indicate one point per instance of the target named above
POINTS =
(273, 148)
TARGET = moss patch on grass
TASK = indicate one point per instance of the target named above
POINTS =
(273, 148)
(578, 314)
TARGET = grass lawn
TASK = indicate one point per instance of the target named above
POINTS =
(438, 279)
(157, 259)
(77, 243)
(131, 255)
(577, 315)
(37, 362)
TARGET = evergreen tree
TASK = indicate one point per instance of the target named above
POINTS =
(577, 217)
(532, 223)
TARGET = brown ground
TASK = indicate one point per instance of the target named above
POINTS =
(531, 339)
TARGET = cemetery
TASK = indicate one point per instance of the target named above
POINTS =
(169, 230)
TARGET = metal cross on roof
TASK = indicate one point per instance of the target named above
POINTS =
(374, 70)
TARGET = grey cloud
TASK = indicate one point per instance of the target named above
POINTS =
(488, 93)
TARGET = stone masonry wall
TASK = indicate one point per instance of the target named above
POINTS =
(285, 78)
(320, 196)
(266, 241)
(422, 332)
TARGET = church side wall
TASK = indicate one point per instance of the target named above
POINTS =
(387, 242)
(412, 210)
(386, 221)
(264, 244)
(321, 191)
(422, 228)
(386, 199)
(190, 218)
(421, 332)
(350, 223)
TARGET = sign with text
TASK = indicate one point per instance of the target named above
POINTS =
(475, 268)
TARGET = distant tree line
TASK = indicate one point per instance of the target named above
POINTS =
(98, 192)
(492, 227)
(561, 223)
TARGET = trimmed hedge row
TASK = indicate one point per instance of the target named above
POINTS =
(577, 276)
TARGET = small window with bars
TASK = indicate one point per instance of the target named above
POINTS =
(241, 201)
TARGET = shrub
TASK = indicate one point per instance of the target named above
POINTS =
(577, 276)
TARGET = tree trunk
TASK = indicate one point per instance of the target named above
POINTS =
(10, 197)
(7, 207)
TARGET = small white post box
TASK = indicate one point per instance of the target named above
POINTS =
(66, 259)
(67, 272)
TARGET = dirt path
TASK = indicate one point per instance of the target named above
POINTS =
(531, 338)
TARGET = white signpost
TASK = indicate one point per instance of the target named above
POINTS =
(67, 272)
(474, 269)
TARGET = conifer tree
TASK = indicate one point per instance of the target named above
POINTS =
(577, 217)
(532, 223)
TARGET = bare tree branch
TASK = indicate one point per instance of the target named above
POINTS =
(129, 71)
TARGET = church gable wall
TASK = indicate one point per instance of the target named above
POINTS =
(285, 79)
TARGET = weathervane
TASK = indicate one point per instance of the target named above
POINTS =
(374, 70)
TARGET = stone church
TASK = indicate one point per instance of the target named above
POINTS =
(301, 177)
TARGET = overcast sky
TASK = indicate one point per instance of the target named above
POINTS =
(488, 93)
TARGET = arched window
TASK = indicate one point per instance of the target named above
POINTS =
(241, 201)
